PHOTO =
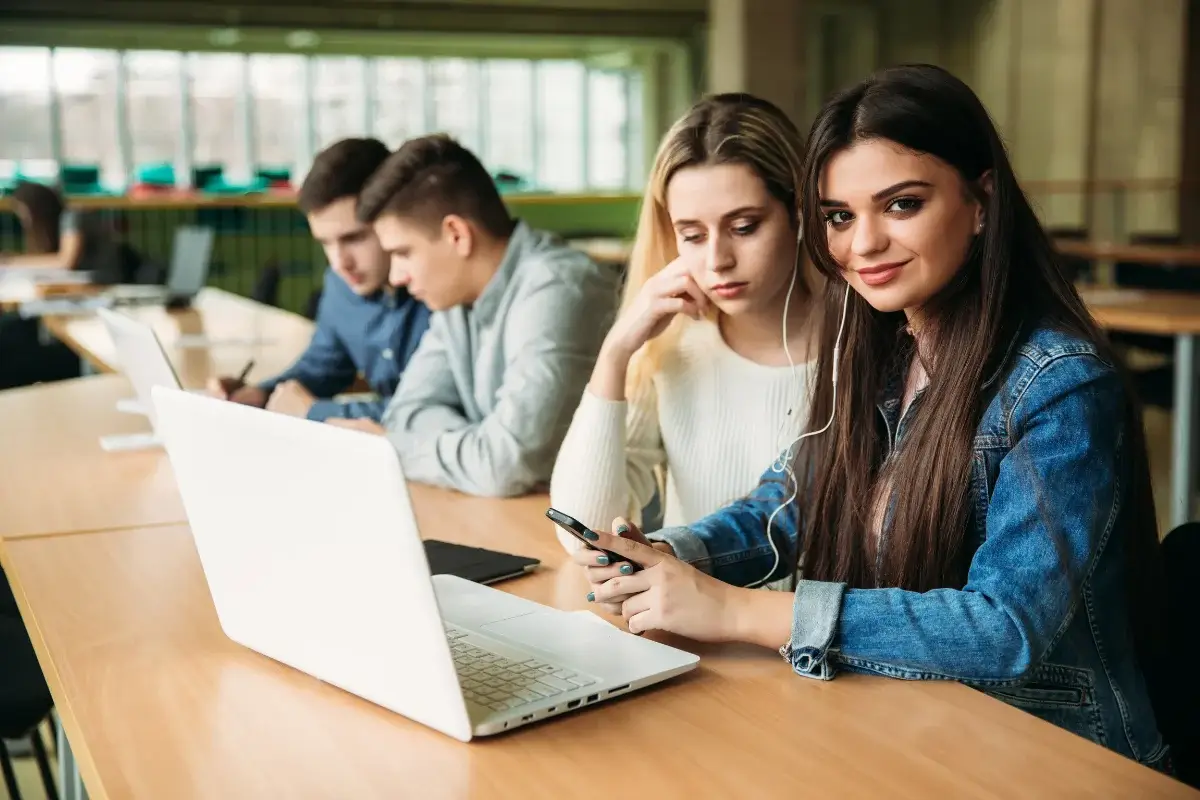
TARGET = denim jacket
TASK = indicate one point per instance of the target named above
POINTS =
(1042, 621)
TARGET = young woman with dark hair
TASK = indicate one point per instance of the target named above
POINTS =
(978, 507)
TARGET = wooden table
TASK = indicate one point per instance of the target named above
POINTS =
(604, 250)
(1174, 314)
(54, 477)
(23, 285)
(237, 329)
(1137, 253)
(158, 703)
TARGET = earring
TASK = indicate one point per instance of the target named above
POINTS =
(979, 227)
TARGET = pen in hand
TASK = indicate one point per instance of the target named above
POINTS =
(241, 381)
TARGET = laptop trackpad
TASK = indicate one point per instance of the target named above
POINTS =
(473, 606)
(558, 633)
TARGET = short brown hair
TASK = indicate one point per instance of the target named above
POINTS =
(428, 179)
(340, 170)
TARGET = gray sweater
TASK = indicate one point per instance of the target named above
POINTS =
(489, 393)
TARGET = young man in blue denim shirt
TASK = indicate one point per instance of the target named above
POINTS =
(364, 326)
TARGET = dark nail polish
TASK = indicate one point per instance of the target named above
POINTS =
(591, 597)
(622, 529)
(626, 569)
(602, 561)
(592, 535)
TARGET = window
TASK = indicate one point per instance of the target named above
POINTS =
(339, 94)
(154, 92)
(555, 125)
(399, 100)
(277, 96)
(608, 116)
(215, 82)
(508, 108)
(454, 87)
(25, 106)
(86, 82)
(635, 134)
(559, 121)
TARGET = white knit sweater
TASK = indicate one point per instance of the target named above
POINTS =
(711, 418)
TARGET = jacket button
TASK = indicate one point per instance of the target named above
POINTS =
(387, 354)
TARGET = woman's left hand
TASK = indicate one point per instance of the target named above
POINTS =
(667, 594)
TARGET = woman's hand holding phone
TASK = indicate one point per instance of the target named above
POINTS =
(603, 565)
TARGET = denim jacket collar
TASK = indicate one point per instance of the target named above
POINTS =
(889, 399)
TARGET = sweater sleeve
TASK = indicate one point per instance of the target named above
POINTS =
(606, 467)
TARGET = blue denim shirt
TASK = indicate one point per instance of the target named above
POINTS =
(1042, 621)
(374, 336)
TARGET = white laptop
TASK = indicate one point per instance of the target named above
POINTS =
(141, 359)
(311, 552)
(191, 255)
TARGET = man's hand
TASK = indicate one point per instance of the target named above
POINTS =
(237, 392)
(361, 425)
(291, 398)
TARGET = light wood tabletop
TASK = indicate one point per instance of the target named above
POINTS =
(1144, 311)
(605, 250)
(218, 335)
(1138, 253)
(54, 477)
(158, 703)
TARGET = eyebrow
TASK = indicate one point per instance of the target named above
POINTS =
(737, 212)
(895, 187)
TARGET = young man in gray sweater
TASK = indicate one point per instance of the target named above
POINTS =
(518, 319)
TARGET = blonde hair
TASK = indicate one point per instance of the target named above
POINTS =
(733, 128)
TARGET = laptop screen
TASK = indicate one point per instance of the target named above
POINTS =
(190, 257)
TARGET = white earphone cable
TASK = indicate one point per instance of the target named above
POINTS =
(783, 463)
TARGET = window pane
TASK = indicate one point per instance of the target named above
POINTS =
(636, 143)
(153, 96)
(219, 140)
(455, 86)
(399, 100)
(25, 103)
(560, 124)
(340, 99)
(607, 122)
(277, 92)
(509, 104)
(86, 81)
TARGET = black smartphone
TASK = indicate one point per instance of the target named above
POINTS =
(576, 529)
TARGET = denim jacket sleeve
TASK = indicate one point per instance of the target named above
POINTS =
(1051, 514)
(326, 367)
(347, 409)
(732, 543)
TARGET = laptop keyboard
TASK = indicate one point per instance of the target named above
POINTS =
(500, 683)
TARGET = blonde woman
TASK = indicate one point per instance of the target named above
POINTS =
(695, 382)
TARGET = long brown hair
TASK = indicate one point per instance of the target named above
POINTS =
(1010, 282)
(44, 207)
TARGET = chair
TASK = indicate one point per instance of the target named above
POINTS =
(266, 286)
(24, 697)
(1179, 715)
